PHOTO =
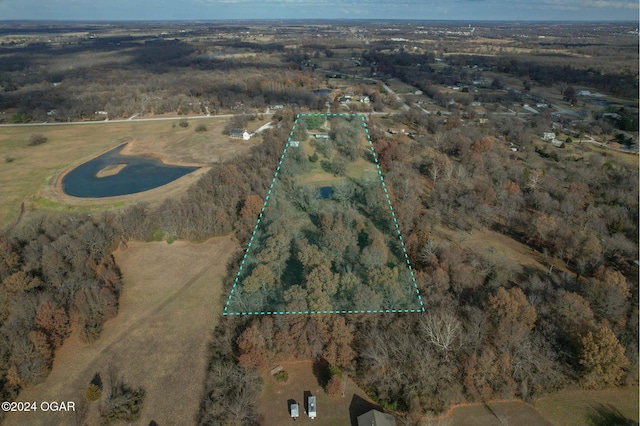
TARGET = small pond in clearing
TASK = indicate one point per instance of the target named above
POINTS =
(325, 192)
(137, 174)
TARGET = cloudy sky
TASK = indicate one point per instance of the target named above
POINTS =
(590, 10)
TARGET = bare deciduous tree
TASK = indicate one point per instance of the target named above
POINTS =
(442, 329)
(428, 249)
(534, 178)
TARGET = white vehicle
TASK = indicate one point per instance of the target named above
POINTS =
(311, 406)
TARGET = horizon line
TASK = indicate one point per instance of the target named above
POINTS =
(238, 20)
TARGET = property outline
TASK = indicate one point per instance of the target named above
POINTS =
(264, 205)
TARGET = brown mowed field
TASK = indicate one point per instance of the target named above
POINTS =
(273, 404)
(496, 414)
(501, 248)
(170, 304)
(580, 407)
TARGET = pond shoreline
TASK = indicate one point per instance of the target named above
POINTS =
(141, 174)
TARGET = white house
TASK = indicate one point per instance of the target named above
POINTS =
(240, 134)
(548, 136)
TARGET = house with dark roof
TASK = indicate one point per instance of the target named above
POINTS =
(240, 134)
(376, 418)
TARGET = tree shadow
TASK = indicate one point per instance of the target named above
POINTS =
(607, 415)
(359, 406)
(97, 380)
(321, 371)
(293, 272)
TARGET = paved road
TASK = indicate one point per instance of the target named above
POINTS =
(127, 120)
(266, 126)
(373, 80)
(398, 98)
(589, 139)
(417, 105)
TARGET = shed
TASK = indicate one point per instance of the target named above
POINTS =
(376, 418)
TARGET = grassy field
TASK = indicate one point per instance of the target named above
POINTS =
(356, 170)
(316, 175)
(153, 342)
(597, 408)
(273, 402)
(29, 173)
(500, 248)
(496, 414)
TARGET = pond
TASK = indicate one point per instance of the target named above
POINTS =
(325, 192)
(133, 174)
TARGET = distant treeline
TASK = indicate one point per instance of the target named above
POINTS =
(154, 76)
(415, 70)
(623, 85)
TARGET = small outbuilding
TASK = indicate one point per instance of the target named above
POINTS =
(376, 418)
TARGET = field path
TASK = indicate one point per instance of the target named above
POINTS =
(169, 306)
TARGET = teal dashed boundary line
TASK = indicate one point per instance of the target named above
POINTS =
(264, 205)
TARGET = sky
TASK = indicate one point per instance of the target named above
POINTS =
(468, 10)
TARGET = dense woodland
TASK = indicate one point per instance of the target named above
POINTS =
(493, 328)
(337, 252)
(157, 77)
(57, 275)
